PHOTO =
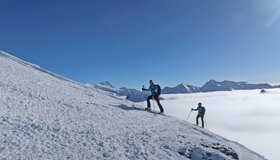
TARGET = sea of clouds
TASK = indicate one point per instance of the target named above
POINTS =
(248, 117)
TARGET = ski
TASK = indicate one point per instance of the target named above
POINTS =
(155, 112)
(149, 110)
(138, 107)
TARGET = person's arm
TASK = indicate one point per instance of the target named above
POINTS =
(195, 109)
(148, 89)
(144, 89)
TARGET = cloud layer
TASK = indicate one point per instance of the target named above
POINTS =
(242, 116)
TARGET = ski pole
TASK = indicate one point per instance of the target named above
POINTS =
(143, 95)
(205, 122)
(154, 104)
(189, 115)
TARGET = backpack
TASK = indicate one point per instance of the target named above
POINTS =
(158, 89)
(203, 110)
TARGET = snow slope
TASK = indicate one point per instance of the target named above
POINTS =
(46, 116)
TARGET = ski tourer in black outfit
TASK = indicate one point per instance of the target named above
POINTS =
(155, 95)
(201, 112)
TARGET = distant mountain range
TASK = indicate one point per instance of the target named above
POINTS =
(129, 93)
(213, 85)
(210, 86)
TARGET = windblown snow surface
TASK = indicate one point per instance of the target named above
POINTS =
(45, 116)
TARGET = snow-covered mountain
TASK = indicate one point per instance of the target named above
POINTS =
(45, 116)
(108, 84)
(105, 86)
(213, 85)
(133, 95)
(181, 88)
(210, 86)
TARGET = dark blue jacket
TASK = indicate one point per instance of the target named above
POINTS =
(201, 110)
(153, 88)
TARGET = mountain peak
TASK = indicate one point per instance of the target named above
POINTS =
(181, 85)
(212, 81)
(108, 84)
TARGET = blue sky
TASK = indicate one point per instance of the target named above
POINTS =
(129, 42)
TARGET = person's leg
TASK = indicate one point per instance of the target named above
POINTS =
(158, 103)
(197, 119)
(202, 120)
(148, 101)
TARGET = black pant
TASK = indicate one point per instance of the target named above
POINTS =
(200, 116)
(155, 97)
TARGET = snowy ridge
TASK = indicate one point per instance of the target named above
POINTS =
(129, 94)
(102, 87)
(212, 86)
(44, 116)
(108, 84)
(7, 55)
(4, 54)
(181, 88)
(226, 85)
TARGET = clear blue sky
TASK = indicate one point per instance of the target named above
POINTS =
(129, 42)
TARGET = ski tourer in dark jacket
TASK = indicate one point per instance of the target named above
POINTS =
(201, 112)
(155, 92)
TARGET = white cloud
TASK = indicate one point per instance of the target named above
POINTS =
(274, 18)
(242, 116)
(270, 9)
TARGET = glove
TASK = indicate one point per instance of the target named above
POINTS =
(192, 109)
